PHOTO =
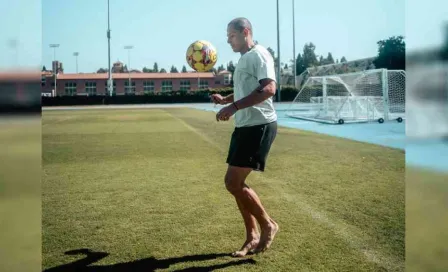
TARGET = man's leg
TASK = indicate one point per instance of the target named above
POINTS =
(250, 202)
(252, 234)
(250, 223)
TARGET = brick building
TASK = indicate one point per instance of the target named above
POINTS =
(140, 83)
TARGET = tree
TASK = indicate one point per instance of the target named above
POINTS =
(184, 69)
(44, 69)
(101, 71)
(221, 68)
(321, 60)
(444, 51)
(391, 54)
(343, 59)
(300, 65)
(173, 69)
(329, 59)
(156, 68)
(309, 57)
(162, 70)
(272, 54)
(146, 70)
(231, 69)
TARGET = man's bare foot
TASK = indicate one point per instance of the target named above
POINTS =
(267, 236)
(248, 246)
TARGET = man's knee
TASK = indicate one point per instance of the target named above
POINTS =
(232, 184)
(234, 180)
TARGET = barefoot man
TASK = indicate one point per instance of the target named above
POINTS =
(255, 131)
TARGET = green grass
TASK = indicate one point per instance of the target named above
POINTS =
(20, 201)
(146, 187)
(426, 221)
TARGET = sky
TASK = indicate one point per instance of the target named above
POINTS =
(161, 31)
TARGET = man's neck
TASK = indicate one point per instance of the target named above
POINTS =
(248, 47)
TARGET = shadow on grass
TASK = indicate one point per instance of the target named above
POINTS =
(147, 264)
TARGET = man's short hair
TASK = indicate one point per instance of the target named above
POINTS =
(240, 24)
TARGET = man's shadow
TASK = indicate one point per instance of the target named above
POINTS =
(147, 264)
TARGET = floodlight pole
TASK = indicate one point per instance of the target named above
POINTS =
(294, 44)
(278, 57)
(109, 81)
(129, 47)
(76, 54)
(55, 69)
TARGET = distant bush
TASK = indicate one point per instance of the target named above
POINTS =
(198, 96)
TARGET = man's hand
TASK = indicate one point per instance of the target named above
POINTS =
(218, 99)
(225, 113)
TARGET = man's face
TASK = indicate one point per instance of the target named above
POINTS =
(236, 39)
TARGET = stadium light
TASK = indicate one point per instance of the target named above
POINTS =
(129, 47)
(109, 72)
(76, 54)
(278, 57)
(55, 68)
(294, 44)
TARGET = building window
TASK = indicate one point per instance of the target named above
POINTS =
(114, 89)
(203, 84)
(184, 85)
(43, 81)
(167, 85)
(70, 88)
(148, 86)
(129, 90)
(226, 79)
(91, 88)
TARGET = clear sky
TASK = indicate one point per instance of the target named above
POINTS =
(162, 30)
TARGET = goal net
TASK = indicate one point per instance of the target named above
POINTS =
(372, 95)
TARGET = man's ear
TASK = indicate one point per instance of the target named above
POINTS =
(246, 32)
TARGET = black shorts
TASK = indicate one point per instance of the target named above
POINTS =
(249, 146)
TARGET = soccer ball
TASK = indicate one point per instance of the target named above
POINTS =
(201, 56)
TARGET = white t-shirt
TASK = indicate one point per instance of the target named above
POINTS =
(253, 66)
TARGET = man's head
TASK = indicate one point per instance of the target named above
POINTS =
(239, 34)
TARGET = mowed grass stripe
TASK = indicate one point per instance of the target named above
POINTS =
(389, 253)
(99, 199)
(200, 134)
(116, 185)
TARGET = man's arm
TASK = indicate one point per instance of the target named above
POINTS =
(266, 90)
(229, 98)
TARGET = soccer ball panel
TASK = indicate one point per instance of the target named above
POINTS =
(198, 66)
(198, 56)
(190, 51)
(208, 67)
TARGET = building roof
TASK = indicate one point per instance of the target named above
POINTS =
(47, 73)
(29, 75)
(134, 76)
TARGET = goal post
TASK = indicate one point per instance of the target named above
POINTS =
(371, 95)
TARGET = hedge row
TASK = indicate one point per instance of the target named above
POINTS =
(202, 96)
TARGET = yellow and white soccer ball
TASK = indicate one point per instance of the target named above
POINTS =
(201, 56)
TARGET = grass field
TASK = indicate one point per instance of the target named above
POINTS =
(20, 195)
(143, 190)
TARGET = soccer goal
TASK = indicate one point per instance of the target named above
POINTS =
(371, 95)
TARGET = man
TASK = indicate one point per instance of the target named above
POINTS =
(255, 131)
